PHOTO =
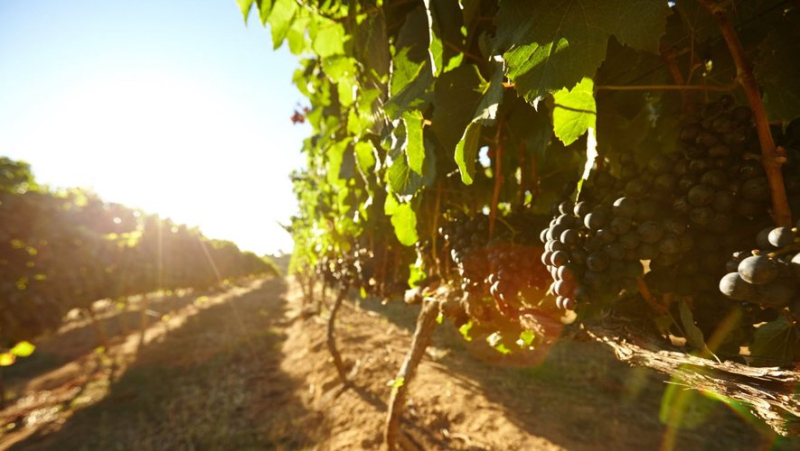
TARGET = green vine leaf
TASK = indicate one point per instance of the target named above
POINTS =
(467, 152)
(328, 38)
(574, 111)
(774, 343)
(415, 147)
(552, 44)
(404, 220)
(245, 6)
(456, 97)
(280, 20)
(411, 76)
(444, 29)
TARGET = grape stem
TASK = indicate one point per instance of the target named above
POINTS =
(648, 297)
(723, 88)
(771, 158)
(728, 87)
(434, 234)
(498, 175)
(668, 55)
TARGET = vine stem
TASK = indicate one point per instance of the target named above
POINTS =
(644, 290)
(668, 55)
(524, 174)
(724, 88)
(434, 234)
(498, 176)
(728, 87)
(771, 158)
(426, 322)
(331, 336)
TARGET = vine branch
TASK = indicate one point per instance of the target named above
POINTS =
(771, 158)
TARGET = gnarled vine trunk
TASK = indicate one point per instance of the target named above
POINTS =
(426, 323)
(331, 334)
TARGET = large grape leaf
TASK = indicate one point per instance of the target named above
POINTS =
(485, 114)
(401, 179)
(415, 147)
(245, 6)
(280, 20)
(774, 343)
(778, 71)
(371, 45)
(328, 38)
(296, 36)
(411, 76)
(365, 156)
(444, 29)
(574, 111)
(552, 44)
(456, 96)
(404, 220)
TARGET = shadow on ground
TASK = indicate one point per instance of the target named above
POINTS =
(582, 397)
(81, 339)
(213, 383)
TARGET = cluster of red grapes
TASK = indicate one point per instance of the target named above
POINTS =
(504, 266)
(682, 214)
(770, 275)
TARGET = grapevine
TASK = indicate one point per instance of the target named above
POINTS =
(520, 165)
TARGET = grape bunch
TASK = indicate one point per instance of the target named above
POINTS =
(504, 268)
(467, 238)
(514, 266)
(770, 275)
(682, 213)
(592, 248)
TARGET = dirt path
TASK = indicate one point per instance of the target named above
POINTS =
(245, 370)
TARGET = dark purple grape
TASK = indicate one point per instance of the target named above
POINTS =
(756, 189)
(615, 251)
(701, 216)
(605, 236)
(794, 264)
(630, 240)
(620, 225)
(781, 236)
(701, 195)
(714, 178)
(758, 270)
(624, 207)
(675, 225)
(570, 237)
(777, 293)
(567, 221)
(670, 244)
(597, 261)
(650, 231)
(659, 164)
(595, 220)
(724, 201)
(666, 183)
(578, 256)
(564, 288)
(581, 209)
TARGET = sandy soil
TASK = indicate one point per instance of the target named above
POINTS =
(246, 369)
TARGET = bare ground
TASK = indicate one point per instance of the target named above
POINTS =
(245, 369)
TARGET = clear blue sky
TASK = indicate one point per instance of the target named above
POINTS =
(172, 106)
